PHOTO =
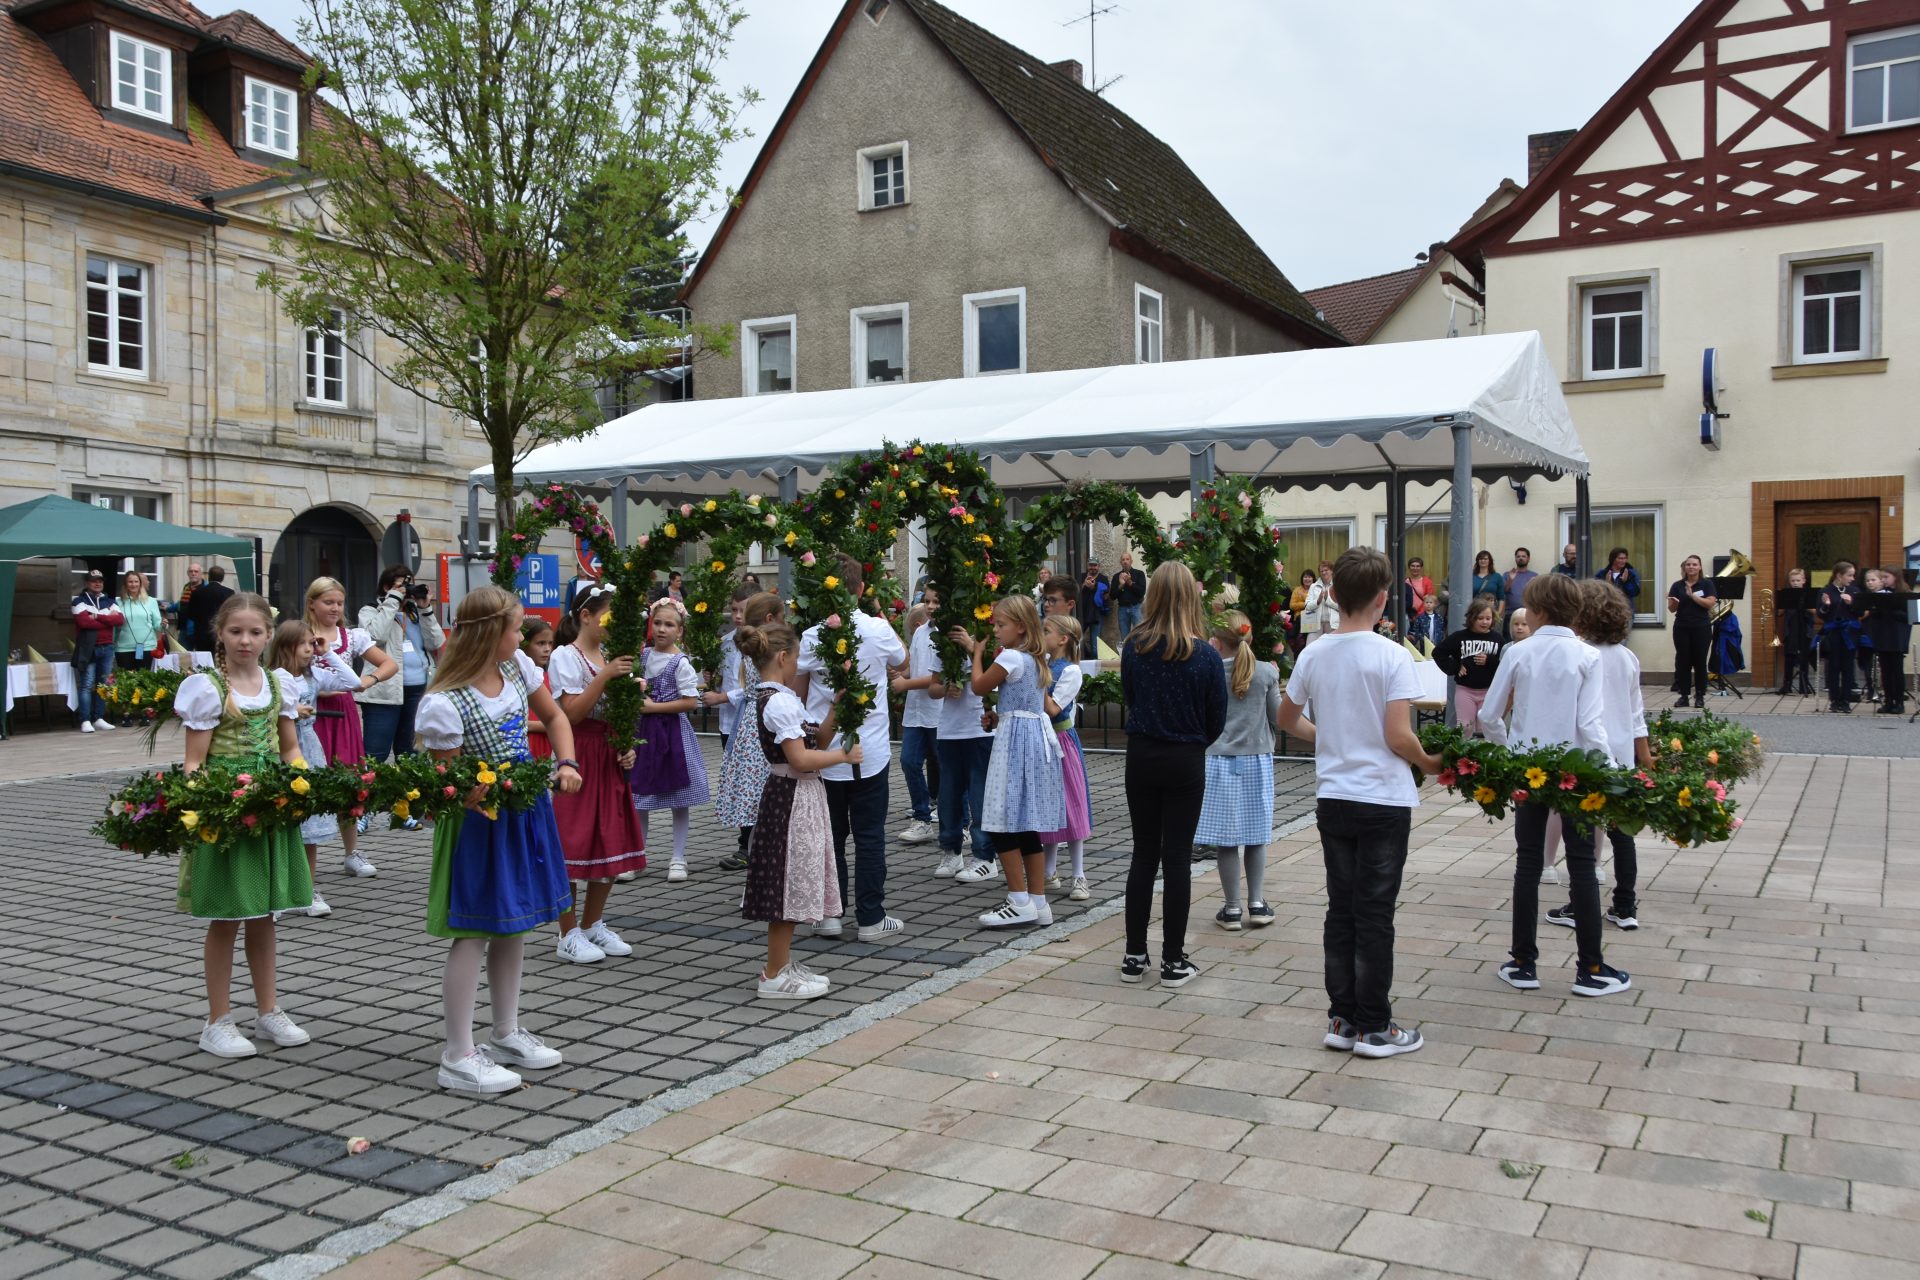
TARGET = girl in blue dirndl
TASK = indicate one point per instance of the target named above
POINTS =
(495, 878)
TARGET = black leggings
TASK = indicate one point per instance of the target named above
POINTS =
(1690, 645)
(1022, 842)
(1166, 783)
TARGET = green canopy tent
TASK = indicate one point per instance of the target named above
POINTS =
(60, 528)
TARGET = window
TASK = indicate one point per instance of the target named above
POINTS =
(1147, 310)
(116, 316)
(1429, 540)
(766, 356)
(1639, 530)
(148, 506)
(271, 124)
(1308, 542)
(1830, 312)
(142, 78)
(883, 176)
(484, 547)
(1883, 79)
(326, 361)
(995, 326)
(1614, 325)
(879, 345)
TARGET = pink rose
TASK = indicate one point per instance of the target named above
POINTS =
(1568, 782)
(1736, 823)
(644, 539)
(250, 821)
(355, 812)
(847, 665)
(368, 777)
(808, 559)
(1447, 778)
(833, 622)
(686, 509)
(449, 792)
(956, 510)
(243, 778)
(1246, 502)
(1520, 796)
(241, 792)
(992, 579)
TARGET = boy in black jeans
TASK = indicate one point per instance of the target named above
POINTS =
(1361, 688)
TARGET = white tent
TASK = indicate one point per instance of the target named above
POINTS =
(1399, 413)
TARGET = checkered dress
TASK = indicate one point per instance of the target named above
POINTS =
(1238, 808)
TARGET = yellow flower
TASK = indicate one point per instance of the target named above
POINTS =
(300, 786)
(967, 518)
(753, 499)
(840, 646)
(710, 505)
(298, 762)
(208, 837)
(699, 606)
(1677, 745)
(860, 698)
(486, 777)
(917, 451)
(189, 819)
(839, 493)
(606, 616)
(1483, 794)
(491, 813)
(136, 697)
(1713, 757)
(830, 582)
(984, 539)
(719, 566)
(1536, 777)
(1593, 802)
(899, 493)
(400, 809)
(413, 793)
(983, 611)
(792, 537)
(669, 530)
(1685, 798)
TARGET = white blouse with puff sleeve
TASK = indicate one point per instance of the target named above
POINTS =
(199, 707)
(437, 725)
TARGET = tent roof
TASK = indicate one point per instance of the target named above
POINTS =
(56, 526)
(1305, 418)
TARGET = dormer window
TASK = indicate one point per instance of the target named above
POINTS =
(142, 78)
(272, 119)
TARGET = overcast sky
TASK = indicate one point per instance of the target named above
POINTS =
(1345, 135)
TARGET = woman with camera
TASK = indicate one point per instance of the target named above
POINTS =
(400, 622)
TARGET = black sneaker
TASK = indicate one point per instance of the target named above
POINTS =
(1259, 914)
(1134, 968)
(1229, 919)
(1625, 922)
(1341, 1034)
(1561, 915)
(1384, 1044)
(1601, 980)
(734, 862)
(1515, 974)
(1177, 972)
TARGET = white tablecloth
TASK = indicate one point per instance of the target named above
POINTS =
(50, 679)
(171, 661)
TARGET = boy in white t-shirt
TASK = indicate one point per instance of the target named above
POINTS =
(1361, 687)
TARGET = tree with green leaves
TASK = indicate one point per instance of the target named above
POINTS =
(495, 182)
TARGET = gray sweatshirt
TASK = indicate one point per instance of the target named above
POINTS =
(1249, 730)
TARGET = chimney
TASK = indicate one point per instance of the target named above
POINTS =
(1072, 70)
(1543, 147)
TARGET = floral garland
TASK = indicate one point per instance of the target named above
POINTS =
(145, 695)
(1228, 536)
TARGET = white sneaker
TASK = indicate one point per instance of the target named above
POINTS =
(975, 871)
(1054, 881)
(676, 872)
(626, 877)
(919, 831)
(357, 865)
(477, 1073)
(524, 1050)
(795, 982)
(319, 907)
(1042, 911)
(577, 948)
(1080, 891)
(86, 726)
(104, 724)
(1548, 875)
(1009, 914)
(279, 1028)
(886, 930)
(828, 928)
(223, 1040)
(607, 940)
(948, 864)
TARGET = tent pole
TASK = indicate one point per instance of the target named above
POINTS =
(1199, 475)
(1397, 547)
(789, 494)
(470, 544)
(620, 512)
(1459, 538)
(1583, 525)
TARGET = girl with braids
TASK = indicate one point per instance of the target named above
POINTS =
(241, 714)
(599, 832)
(1060, 634)
(743, 767)
(791, 871)
(495, 879)
(1236, 814)
(305, 666)
(337, 714)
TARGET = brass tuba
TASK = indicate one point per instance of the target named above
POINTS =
(1738, 566)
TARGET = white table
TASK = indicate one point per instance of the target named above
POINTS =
(171, 661)
(41, 680)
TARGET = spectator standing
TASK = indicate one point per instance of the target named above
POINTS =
(1321, 612)
(1418, 587)
(401, 623)
(139, 635)
(1129, 590)
(1622, 575)
(1487, 582)
(1690, 600)
(196, 574)
(1095, 594)
(1514, 582)
(206, 601)
(95, 615)
(670, 591)
(1569, 565)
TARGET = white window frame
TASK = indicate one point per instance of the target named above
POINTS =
(1380, 545)
(114, 292)
(750, 331)
(1865, 37)
(314, 341)
(483, 546)
(128, 501)
(1648, 610)
(140, 48)
(1801, 271)
(857, 321)
(863, 175)
(276, 93)
(1587, 294)
(970, 306)
(1871, 259)
(1143, 351)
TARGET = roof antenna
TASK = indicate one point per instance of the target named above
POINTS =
(1095, 11)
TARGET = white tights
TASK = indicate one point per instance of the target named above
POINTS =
(682, 823)
(460, 989)
(1076, 851)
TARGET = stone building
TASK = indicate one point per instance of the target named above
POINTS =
(142, 146)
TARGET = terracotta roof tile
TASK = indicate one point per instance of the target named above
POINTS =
(1357, 307)
(1115, 163)
(244, 31)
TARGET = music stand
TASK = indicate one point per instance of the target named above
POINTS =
(1725, 589)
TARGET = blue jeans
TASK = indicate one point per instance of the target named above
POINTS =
(1129, 619)
(88, 676)
(859, 806)
(916, 744)
(388, 726)
(963, 793)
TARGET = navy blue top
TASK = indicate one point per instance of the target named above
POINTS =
(1175, 701)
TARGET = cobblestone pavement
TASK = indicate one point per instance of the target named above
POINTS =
(123, 1149)
(1750, 1108)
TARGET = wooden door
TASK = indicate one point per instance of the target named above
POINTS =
(1811, 536)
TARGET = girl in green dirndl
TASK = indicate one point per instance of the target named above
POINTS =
(239, 714)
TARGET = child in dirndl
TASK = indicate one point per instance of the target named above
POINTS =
(536, 641)
(305, 664)
(497, 877)
(1060, 635)
(338, 714)
(668, 770)
(240, 714)
(1236, 816)
(743, 765)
